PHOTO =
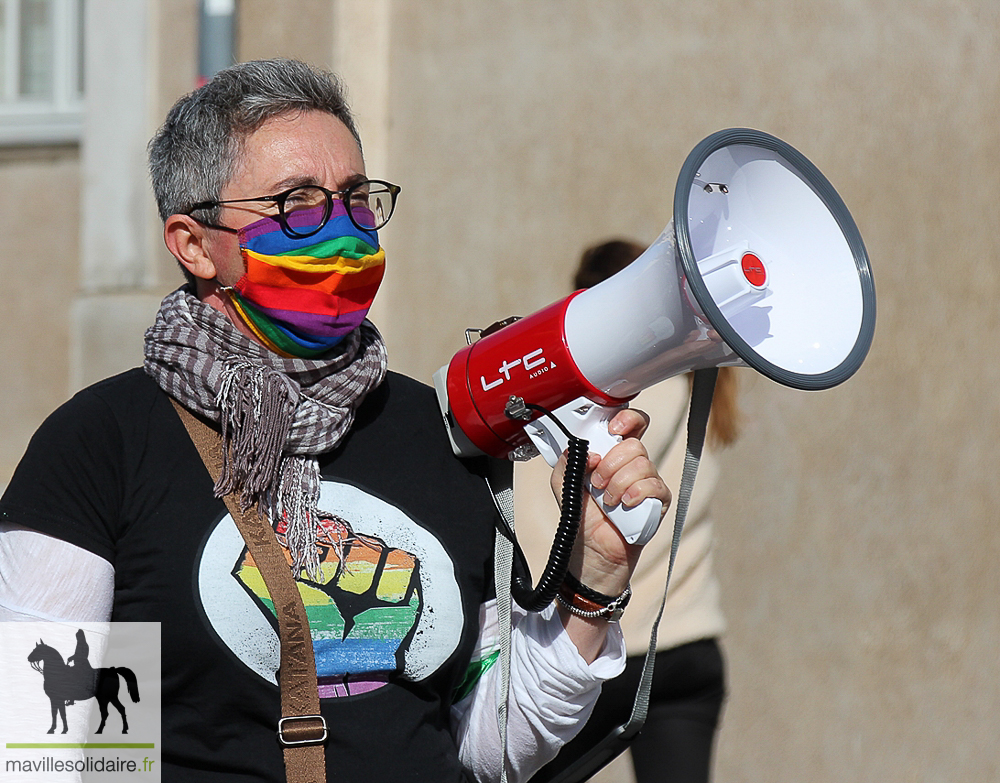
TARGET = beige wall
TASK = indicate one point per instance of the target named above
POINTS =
(303, 29)
(39, 256)
(857, 545)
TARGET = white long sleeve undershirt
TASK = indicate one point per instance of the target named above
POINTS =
(45, 578)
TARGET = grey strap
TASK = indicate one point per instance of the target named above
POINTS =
(501, 485)
(618, 740)
(701, 403)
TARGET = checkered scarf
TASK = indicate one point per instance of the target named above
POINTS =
(276, 414)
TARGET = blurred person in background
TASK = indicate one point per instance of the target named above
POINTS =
(675, 745)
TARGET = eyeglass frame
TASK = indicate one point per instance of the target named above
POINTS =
(280, 199)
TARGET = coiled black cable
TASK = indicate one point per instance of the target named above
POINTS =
(535, 599)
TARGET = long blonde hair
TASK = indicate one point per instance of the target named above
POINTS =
(604, 259)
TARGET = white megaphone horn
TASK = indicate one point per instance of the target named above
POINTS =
(761, 266)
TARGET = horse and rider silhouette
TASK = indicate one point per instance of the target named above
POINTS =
(76, 680)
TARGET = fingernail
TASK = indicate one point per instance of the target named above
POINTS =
(597, 480)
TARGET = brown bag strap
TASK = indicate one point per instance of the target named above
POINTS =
(302, 730)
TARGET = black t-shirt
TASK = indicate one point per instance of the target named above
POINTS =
(394, 619)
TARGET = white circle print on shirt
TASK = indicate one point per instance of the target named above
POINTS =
(387, 601)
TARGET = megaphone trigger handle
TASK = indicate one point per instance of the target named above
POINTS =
(589, 421)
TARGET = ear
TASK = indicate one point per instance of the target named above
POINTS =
(189, 242)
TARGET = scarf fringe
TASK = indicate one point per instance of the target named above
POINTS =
(295, 504)
(257, 406)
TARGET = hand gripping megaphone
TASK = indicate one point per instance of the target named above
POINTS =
(761, 266)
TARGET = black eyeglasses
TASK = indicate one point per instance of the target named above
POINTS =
(304, 210)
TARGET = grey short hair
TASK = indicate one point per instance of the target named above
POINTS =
(193, 155)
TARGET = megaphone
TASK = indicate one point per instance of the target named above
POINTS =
(761, 266)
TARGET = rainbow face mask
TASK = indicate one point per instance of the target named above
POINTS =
(300, 297)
